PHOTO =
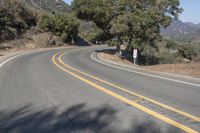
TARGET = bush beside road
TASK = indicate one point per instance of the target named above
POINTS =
(188, 69)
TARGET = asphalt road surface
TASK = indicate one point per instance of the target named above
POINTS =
(64, 91)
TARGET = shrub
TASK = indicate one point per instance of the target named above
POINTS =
(166, 58)
(197, 51)
(187, 51)
(170, 44)
(90, 32)
(64, 25)
(14, 15)
(46, 23)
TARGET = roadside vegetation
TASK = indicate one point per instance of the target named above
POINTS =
(63, 25)
(135, 24)
(21, 25)
(90, 32)
(173, 52)
(125, 24)
(15, 19)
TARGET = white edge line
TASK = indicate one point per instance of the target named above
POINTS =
(141, 73)
(132, 67)
(11, 58)
(27, 52)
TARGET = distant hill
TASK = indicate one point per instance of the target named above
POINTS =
(191, 24)
(49, 5)
(46, 5)
(198, 25)
(182, 31)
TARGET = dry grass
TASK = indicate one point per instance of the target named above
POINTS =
(31, 40)
(114, 58)
(190, 69)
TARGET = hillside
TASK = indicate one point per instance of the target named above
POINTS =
(192, 25)
(178, 30)
(23, 24)
(198, 26)
(47, 5)
(182, 31)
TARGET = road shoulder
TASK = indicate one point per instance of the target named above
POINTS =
(6, 55)
(135, 69)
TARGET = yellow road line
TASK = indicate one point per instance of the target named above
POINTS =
(132, 93)
(127, 101)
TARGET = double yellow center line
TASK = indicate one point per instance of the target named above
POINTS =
(123, 99)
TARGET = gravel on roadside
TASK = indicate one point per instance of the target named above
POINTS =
(189, 69)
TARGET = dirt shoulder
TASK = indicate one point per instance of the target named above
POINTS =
(5, 54)
(33, 39)
(9, 53)
(190, 69)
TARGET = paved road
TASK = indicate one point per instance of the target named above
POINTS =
(36, 96)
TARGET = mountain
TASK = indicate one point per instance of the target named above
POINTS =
(191, 24)
(198, 25)
(49, 5)
(46, 5)
(181, 31)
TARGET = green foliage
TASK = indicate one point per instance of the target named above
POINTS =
(98, 11)
(197, 51)
(13, 14)
(89, 31)
(112, 42)
(170, 44)
(64, 25)
(170, 58)
(136, 22)
(149, 55)
(188, 51)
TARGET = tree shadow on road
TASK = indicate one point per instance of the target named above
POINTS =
(107, 51)
(77, 119)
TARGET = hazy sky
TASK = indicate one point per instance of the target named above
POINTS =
(191, 10)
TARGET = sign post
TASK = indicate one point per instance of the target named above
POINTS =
(135, 54)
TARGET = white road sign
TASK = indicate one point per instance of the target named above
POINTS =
(135, 53)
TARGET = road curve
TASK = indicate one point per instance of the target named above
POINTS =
(37, 96)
